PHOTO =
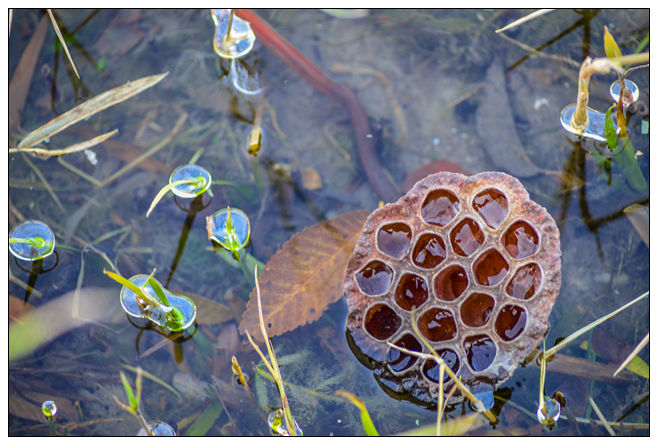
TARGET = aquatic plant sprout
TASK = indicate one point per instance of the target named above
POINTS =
(142, 296)
(187, 181)
(31, 241)
(230, 228)
(49, 409)
(233, 36)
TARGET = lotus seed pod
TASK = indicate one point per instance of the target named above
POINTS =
(475, 261)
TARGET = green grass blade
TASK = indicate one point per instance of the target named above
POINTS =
(366, 421)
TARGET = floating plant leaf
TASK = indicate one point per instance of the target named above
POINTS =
(210, 312)
(144, 297)
(305, 276)
(187, 181)
(31, 241)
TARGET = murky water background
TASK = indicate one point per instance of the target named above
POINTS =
(421, 76)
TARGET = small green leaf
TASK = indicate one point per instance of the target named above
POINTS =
(610, 131)
(611, 48)
(199, 181)
(134, 403)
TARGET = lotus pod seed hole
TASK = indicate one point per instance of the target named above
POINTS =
(480, 351)
(440, 207)
(374, 278)
(381, 321)
(411, 292)
(476, 309)
(490, 268)
(521, 240)
(466, 237)
(437, 324)
(429, 251)
(525, 282)
(394, 239)
(431, 367)
(450, 283)
(510, 322)
(399, 361)
(492, 206)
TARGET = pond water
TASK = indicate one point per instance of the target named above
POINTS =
(422, 77)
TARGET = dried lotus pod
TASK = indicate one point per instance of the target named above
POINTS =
(475, 260)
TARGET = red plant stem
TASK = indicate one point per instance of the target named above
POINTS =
(365, 142)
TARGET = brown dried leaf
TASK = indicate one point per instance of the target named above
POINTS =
(209, 311)
(305, 276)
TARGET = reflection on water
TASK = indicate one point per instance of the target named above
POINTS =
(424, 71)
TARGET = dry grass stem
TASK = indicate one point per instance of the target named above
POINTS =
(50, 190)
(90, 107)
(79, 172)
(633, 354)
(527, 18)
(61, 40)
(603, 420)
(68, 150)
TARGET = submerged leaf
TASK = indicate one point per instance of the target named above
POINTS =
(305, 276)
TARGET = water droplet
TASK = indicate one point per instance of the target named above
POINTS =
(440, 207)
(240, 40)
(49, 409)
(176, 317)
(231, 234)
(374, 278)
(187, 172)
(31, 241)
(437, 324)
(278, 424)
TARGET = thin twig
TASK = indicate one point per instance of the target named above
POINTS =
(533, 51)
(61, 40)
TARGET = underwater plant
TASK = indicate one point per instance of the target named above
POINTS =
(49, 410)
